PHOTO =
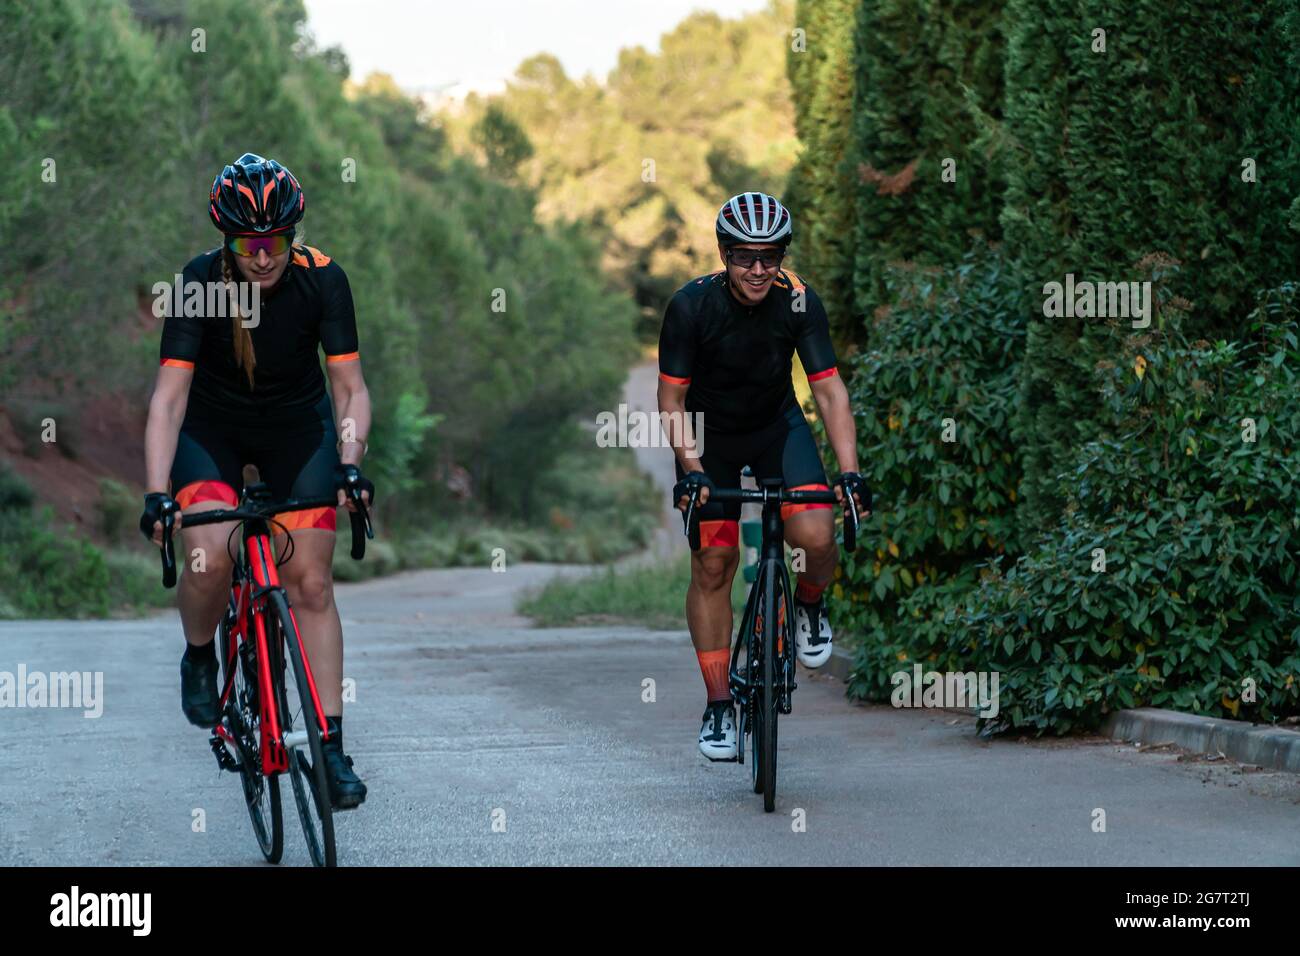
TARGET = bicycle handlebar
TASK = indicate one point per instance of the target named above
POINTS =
(782, 495)
(360, 519)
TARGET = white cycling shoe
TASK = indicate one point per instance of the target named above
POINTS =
(812, 633)
(718, 735)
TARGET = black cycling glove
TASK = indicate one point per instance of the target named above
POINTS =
(156, 504)
(854, 484)
(349, 476)
(688, 485)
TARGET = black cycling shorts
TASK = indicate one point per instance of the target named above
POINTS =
(785, 449)
(295, 457)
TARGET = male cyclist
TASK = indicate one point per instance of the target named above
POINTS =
(231, 393)
(725, 353)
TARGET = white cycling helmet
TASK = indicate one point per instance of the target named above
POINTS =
(753, 217)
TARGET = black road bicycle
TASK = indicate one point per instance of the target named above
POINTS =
(762, 685)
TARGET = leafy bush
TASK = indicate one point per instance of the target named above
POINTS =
(15, 493)
(1170, 580)
(943, 365)
(48, 573)
(116, 509)
(1197, 518)
(135, 581)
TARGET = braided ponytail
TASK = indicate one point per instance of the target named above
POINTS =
(243, 338)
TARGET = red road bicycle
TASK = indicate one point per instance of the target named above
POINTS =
(269, 725)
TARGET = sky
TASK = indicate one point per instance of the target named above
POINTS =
(447, 47)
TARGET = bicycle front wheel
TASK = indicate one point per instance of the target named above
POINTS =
(752, 731)
(302, 731)
(767, 702)
(244, 721)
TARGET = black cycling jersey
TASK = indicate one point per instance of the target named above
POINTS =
(310, 307)
(737, 358)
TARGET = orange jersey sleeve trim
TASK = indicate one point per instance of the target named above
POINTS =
(176, 363)
(674, 380)
(345, 357)
(818, 376)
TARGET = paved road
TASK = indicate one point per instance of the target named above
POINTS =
(463, 709)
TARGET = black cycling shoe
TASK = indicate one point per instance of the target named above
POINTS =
(346, 789)
(199, 700)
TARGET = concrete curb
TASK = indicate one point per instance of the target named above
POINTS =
(1246, 743)
(1259, 745)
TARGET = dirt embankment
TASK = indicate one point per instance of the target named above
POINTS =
(102, 438)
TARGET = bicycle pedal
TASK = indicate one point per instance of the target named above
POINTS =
(224, 760)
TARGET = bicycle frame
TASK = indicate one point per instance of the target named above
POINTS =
(772, 573)
(255, 577)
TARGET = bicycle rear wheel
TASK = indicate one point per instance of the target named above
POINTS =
(243, 717)
(306, 756)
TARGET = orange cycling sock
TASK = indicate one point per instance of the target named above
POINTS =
(806, 592)
(714, 666)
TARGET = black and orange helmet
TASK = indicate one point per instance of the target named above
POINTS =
(255, 196)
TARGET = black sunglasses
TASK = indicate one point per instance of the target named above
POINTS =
(745, 258)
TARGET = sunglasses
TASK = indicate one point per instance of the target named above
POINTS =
(276, 245)
(745, 258)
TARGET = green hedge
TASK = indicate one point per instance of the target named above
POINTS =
(1138, 151)
(1200, 536)
(948, 349)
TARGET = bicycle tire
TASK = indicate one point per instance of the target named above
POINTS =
(767, 701)
(304, 776)
(248, 751)
(753, 665)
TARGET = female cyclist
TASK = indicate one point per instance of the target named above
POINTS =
(235, 390)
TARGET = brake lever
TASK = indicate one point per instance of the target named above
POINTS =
(364, 510)
(361, 516)
(690, 523)
(851, 522)
(168, 549)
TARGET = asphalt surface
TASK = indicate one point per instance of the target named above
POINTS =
(466, 716)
